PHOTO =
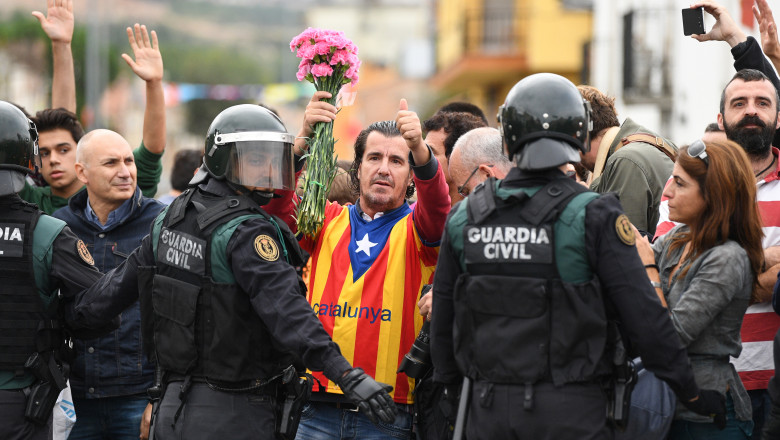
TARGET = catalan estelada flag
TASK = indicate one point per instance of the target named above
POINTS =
(364, 285)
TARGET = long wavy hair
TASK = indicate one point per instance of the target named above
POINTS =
(728, 187)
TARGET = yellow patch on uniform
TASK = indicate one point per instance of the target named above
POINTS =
(266, 248)
(81, 248)
(624, 231)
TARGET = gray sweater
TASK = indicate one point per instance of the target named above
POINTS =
(707, 307)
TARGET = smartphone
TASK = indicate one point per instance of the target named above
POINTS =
(693, 21)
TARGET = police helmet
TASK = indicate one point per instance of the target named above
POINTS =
(546, 121)
(18, 148)
(249, 145)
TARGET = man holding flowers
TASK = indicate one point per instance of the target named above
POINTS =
(369, 263)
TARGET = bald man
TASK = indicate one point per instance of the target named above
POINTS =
(111, 374)
(477, 156)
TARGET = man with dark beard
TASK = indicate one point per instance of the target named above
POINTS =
(749, 108)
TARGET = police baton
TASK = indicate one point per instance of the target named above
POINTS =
(460, 421)
(155, 396)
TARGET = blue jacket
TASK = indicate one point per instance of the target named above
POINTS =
(113, 365)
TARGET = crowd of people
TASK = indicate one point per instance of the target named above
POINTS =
(466, 282)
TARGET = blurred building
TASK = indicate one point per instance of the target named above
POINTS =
(485, 46)
(669, 82)
(21, 80)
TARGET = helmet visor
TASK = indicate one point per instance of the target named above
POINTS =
(262, 165)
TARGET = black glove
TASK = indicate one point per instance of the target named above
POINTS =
(710, 403)
(369, 395)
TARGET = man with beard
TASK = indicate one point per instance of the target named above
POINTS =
(749, 109)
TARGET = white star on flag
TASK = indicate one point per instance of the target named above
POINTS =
(365, 245)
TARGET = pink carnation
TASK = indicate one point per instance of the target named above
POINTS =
(337, 40)
(340, 57)
(322, 69)
(304, 69)
(319, 49)
(304, 36)
(322, 48)
(352, 73)
(307, 51)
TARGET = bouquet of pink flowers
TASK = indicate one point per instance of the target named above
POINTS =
(328, 60)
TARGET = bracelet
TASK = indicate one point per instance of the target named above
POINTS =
(655, 284)
(652, 266)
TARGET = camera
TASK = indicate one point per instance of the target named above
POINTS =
(693, 21)
(417, 361)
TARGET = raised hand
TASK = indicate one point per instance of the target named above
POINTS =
(148, 64)
(725, 29)
(408, 124)
(768, 29)
(58, 21)
(317, 110)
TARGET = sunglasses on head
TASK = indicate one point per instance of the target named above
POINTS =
(699, 149)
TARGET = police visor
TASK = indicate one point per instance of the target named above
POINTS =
(260, 159)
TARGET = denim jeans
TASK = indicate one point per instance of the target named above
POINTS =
(762, 404)
(735, 429)
(321, 421)
(117, 418)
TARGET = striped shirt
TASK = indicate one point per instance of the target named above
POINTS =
(366, 279)
(755, 364)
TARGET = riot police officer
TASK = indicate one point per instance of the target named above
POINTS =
(221, 303)
(530, 270)
(39, 256)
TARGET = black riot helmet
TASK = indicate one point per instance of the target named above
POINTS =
(18, 148)
(248, 145)
(546, 121)
(18, 140)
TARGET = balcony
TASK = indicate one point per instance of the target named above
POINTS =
(492, 47)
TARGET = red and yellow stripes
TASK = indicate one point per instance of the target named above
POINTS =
(374, 319)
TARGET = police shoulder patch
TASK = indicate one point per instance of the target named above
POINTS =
(624, 231)
(83, 252)
(266, 248)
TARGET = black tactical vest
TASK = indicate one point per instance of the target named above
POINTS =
(22, 312)
(193, 325)
(516, 321)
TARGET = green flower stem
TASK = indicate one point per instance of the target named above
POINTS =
(321, 163)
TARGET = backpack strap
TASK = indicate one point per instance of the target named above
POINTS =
(481, 202)
(551, 199)
(656, 141)
(179, 207)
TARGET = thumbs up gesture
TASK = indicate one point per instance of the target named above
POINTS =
(408, 124)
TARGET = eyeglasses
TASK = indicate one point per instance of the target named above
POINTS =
(462, 190)
(699, 149)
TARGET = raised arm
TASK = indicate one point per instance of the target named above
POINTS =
(768, 29)
(433, 198)
(148, 65)
(745, 50)
(316, 111)
(58, 26)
